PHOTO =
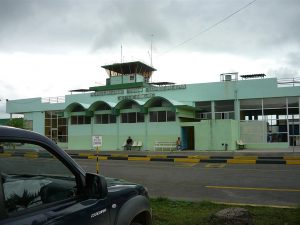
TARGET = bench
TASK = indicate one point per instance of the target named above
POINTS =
(169, 145)
(240, 144)
(135, 145)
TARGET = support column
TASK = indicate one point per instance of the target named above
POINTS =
(213, 116)
(118, 120)
(145, 144)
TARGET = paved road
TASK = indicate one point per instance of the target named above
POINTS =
(249, 184)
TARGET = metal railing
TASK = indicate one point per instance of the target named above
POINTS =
(53, 100)
(289, 81)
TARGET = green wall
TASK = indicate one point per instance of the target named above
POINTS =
(80, 137)
(38, 119)
(211, 134)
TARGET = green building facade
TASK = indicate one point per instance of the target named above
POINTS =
(207, 116)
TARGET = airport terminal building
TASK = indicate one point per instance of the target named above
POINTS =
(257, 111)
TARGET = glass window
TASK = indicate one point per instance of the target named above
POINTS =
(132, 117)
(47, 122)
(224, 106)
(34, 182)
(54, 120)
(204, 106)
(153, 116)
(251, 104)
(124, 118)
(140, 117)
(171, 116)
(73, 120)
(62, 121)
(274, 103)
(162, 116)
(104, 118)
(87, 120)
(112, 119)
(80, 120)
(98, 119)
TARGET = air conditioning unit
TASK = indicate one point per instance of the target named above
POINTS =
(228, 77)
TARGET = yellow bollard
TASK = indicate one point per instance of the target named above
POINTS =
(97, 164)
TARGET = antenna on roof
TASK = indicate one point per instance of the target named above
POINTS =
(121, 53)
(151, 64)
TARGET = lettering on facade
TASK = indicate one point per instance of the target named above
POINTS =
(110, 92)
(140, 96)
(166, 88)
(134, 90)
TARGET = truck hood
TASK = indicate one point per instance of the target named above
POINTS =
(112, 182)
(119, 185)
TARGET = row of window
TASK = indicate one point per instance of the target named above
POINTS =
(131, 117)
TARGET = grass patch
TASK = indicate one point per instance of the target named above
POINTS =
(169, 212)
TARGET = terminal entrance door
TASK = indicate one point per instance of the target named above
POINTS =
(54, 134)
(188, 138)
(56, 126)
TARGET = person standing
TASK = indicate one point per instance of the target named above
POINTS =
(178, 144)
(129, 142)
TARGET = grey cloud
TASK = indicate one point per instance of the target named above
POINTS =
(283, 72)
(293, 58)
(62, 25)
(255, 31)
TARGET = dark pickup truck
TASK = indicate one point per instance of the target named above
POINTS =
(41, 184)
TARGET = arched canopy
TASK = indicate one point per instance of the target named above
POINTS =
(76, 107)
(100, 105)
(158, 102)
(129, 104)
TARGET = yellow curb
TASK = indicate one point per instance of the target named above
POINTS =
(119, 155)
(256, 205)
(245, 157)
(85, 154)
(186, 160)
(215, 165)
(254, 188)
(31, 155)
(100, 157)
(157, 156)
(241, 161)
(291, 157)
(293, 162)
(138, 158)
(198, 157)
(5, 154)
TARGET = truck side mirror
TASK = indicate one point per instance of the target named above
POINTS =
(96, 186)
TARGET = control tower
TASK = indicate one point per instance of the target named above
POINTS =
(130, 72)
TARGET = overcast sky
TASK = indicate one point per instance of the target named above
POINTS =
(48, 47)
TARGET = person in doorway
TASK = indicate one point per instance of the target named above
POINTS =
(178, 144)
(269, 136)
(129, 142)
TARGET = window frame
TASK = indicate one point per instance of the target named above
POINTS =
(62, 158)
